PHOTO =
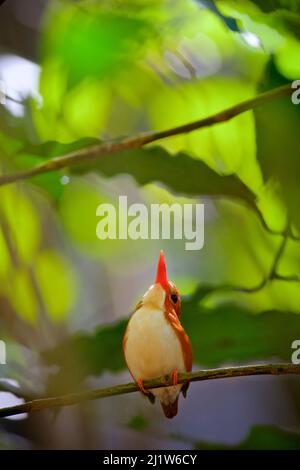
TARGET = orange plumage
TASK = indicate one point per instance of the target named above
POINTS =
(155, 342)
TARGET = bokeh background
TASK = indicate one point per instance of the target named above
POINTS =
(75, 72)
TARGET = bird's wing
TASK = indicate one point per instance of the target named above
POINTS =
(183, 338)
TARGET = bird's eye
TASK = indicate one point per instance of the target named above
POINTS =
(174, 298)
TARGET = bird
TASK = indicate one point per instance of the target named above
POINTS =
(155, 343)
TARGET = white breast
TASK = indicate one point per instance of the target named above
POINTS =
(152, 346)
(152, 349)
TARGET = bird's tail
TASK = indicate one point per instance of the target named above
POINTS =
(170, 409)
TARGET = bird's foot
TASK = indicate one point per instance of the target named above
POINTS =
(151, 398)
(145, 392)
(184, 389)
(140, 384)
(175, 377)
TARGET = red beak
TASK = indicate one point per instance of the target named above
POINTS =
(161, 275)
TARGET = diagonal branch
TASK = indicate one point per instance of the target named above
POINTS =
(165, 381)
(273, 274)
(130, 143)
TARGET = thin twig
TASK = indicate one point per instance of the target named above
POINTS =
(14, 100)
(290, 233)
(273, 271)
(130, 143)
(165, 381)
(273, 275)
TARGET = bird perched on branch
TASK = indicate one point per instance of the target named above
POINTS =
(155, 343)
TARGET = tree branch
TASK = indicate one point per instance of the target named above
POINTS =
(165, 381)
(290, 233)
(272, 275)
(14, 100)
(129, 143)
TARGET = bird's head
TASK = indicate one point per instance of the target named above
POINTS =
(163, 293)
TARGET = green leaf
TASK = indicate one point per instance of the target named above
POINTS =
(180, 172)
(58, 294)
(83, 355)
(268, 6)
(224, 334)
(138, 423)
(232, 334)
(53, 148)
(278, 145)
(84, 48)
(228, 147)
(260, 438)
(22, 296)
(21, 219)
(30, 155)
(276, 23)
(93, 41)
(229, 22)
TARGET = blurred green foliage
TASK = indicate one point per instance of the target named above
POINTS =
(260, 438)
(138, 423)
(229, 334)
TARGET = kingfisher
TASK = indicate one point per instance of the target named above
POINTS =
(155, 343)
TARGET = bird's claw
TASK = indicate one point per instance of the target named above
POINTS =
(151, 398)
(145, 392)
(175, 377)
(140, 384)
